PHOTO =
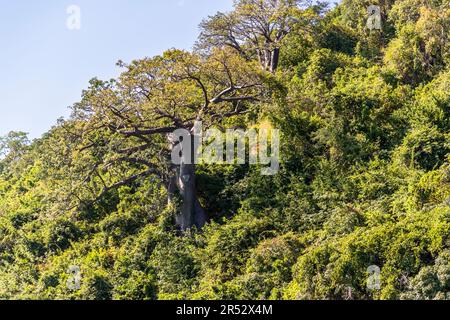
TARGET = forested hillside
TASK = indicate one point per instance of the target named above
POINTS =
(364, 177)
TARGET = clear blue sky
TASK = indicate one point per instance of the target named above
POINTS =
(45, 66)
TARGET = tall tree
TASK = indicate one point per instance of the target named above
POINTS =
(136, 115)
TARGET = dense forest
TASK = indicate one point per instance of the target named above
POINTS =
(95, 209)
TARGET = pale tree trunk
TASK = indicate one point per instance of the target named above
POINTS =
(191, 212)
(274, 60)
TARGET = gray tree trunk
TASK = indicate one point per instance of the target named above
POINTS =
(275, 58)
(191, 213)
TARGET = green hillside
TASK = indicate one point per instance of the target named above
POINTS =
(90, 210)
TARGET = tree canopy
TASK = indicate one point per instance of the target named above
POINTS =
(363, 184)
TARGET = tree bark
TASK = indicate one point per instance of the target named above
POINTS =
(171, 189)
(275, 58)
(191, 212)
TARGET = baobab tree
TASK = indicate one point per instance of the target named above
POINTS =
(136, 114)
(255, 29)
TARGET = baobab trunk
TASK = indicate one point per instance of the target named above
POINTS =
(184, 180)
(192, 213)
(274, 60)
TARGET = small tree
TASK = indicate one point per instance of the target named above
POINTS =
(255, 29)
(12, 147)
